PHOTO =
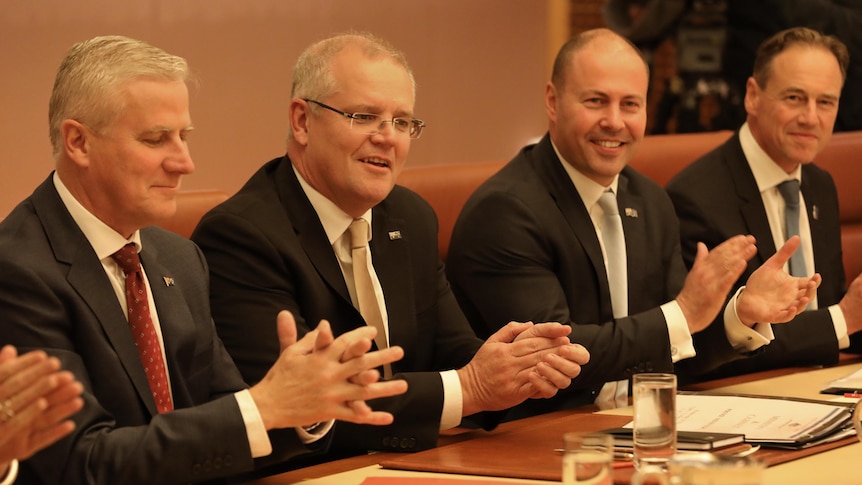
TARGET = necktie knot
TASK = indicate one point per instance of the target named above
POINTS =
(790, 192)
(608, 203)
(127, 258)
(358, 233)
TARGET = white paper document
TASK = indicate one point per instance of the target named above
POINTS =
(851, 383)
(763, 419)
(758, 419)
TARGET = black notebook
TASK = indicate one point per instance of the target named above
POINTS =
(685, 440)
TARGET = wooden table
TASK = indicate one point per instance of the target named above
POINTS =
(469, 451)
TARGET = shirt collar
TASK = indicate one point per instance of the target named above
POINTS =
(334, 220)
(105, 241)
(766, 172)
(589, 190)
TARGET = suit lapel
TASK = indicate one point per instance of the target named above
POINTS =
(748, 197)
(87, 276)
(560, 187)
(308, 229)
(634, 214)
(391, 259)
(814, 199)
(172, 309)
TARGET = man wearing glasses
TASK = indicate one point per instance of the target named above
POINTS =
(297, 236)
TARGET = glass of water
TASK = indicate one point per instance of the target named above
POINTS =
(654, 398)
(588, 459)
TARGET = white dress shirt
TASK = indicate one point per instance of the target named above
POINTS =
(336, 223)
(11, 473)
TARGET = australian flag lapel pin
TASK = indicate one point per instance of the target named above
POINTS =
(394, 235)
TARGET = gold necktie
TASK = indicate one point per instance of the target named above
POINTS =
(369, 306)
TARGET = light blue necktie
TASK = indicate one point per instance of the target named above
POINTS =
(615, 252)
(790, 191)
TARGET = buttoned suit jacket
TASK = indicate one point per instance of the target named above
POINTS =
(524, 248)
(716, 197)
(267, 251)
(55, 296)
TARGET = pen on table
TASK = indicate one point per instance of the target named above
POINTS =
(853, 395)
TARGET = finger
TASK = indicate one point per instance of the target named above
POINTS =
(27, 367)
(376, 418)
(48, 436)
(324, 335)
(60, 412)
(356, 349)
(541, 386)
(365, 377)
(510, 331)
(546, 330)
(354, 343)
(558, 371)
(373, 360)
(286, 328)
(23, 418)
(28, 384)
(569, 361)
(23, 397)
(378, 389)
(7, 354)
(782, 256)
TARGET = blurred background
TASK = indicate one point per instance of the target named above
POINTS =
(481, 67)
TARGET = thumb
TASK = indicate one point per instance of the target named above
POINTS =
(782, 256)
(702, 252)
(508, 333)
(286, 326)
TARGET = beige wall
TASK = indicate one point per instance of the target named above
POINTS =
(481, 66)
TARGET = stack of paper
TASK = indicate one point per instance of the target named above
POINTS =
(774, 422)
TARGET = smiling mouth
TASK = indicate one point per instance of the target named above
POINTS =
(608, 143)
(376, 162)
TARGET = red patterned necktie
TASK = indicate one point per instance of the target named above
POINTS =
(142, 327)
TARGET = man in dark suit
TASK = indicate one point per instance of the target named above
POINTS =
(792, 102)
(163, 403)
(283, 241)
(527, 243)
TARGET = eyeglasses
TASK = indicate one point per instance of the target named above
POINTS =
(371, 123)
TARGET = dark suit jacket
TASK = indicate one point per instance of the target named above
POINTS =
(524, 248)
(267, 251)
(716, 197)
(55, 295)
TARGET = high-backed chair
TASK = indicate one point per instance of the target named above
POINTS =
(191, 206)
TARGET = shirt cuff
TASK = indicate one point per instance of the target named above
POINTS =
(258, 438)
(310, 434)
(11, 473)
(840, 325)
(741, 337)
(681, 344)
(453, 400)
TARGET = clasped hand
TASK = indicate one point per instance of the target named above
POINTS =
(320, 378)
(518, 362)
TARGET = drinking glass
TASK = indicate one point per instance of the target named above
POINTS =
(704, 469)
(588, 459)
(654, 434)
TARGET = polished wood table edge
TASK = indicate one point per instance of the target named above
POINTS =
(458, 435)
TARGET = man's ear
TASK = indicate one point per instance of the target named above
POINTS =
(551, 101)
(752, 91)
(76, 142)
(298, 114)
